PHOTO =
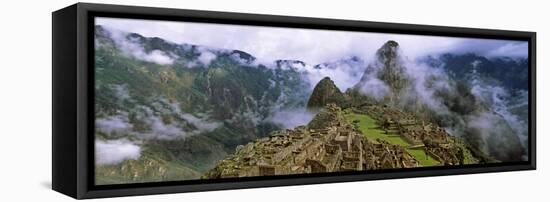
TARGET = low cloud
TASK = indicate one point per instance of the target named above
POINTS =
(173, 129)
(131, 47)
(111, 125)
(374, 88)
(206, 56)
(345, 72)
(291, 118)
(162, 120)
(502, 103)
(112, 152)
(201, 124)
(510, 49)
(161, 130)
(199, 121)
(476, 109)
(155, 56)
(121, 91)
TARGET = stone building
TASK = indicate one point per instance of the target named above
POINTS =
(432, 138)
(335, 148)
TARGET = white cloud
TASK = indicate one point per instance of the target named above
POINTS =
(290, 118)
(112, 152)
(161, 130)
(201, 124)
(432, 91)
(132, 48)
(155, 56)
(151, 118)
(113, 124)
(206, 56)
(308, 45)
(345, 72)
(121, 91)
(511, 49)
(375, 88)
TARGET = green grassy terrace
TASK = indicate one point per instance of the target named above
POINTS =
(372, 131)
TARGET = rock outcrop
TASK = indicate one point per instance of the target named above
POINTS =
(389, 69)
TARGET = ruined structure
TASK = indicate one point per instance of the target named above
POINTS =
(335, 148)
(432, 138)
(330, 143)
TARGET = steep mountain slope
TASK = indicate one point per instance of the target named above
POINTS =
(429, 92)
(196, 103)
(385, 77)
(508, 72)
(325, 92)
(335, 142)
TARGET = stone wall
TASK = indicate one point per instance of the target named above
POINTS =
(335, 148)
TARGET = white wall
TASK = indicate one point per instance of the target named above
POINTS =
(25, 101)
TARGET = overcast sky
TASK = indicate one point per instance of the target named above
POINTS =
(309, 45)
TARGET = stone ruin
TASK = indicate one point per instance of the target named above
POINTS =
(432, 138)
(338, 147)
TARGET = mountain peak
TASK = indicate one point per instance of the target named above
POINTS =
(326, 79)
(388, 51)
(243, 55)
(388, 68)
(325, 92)
(391, 43)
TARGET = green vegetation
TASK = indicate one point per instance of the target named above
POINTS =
(326, 92)
(370, 128)
(152, 166)
(468, 153)
(422, 157)
(372, 131)
(227, 92)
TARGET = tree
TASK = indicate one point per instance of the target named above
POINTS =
(356, 124)
(428, 142)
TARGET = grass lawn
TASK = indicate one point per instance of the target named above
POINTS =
(421, 157)
(372, 131)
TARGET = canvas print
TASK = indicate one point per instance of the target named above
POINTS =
(177, 101)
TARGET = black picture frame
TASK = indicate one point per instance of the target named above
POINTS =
(73, 99)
